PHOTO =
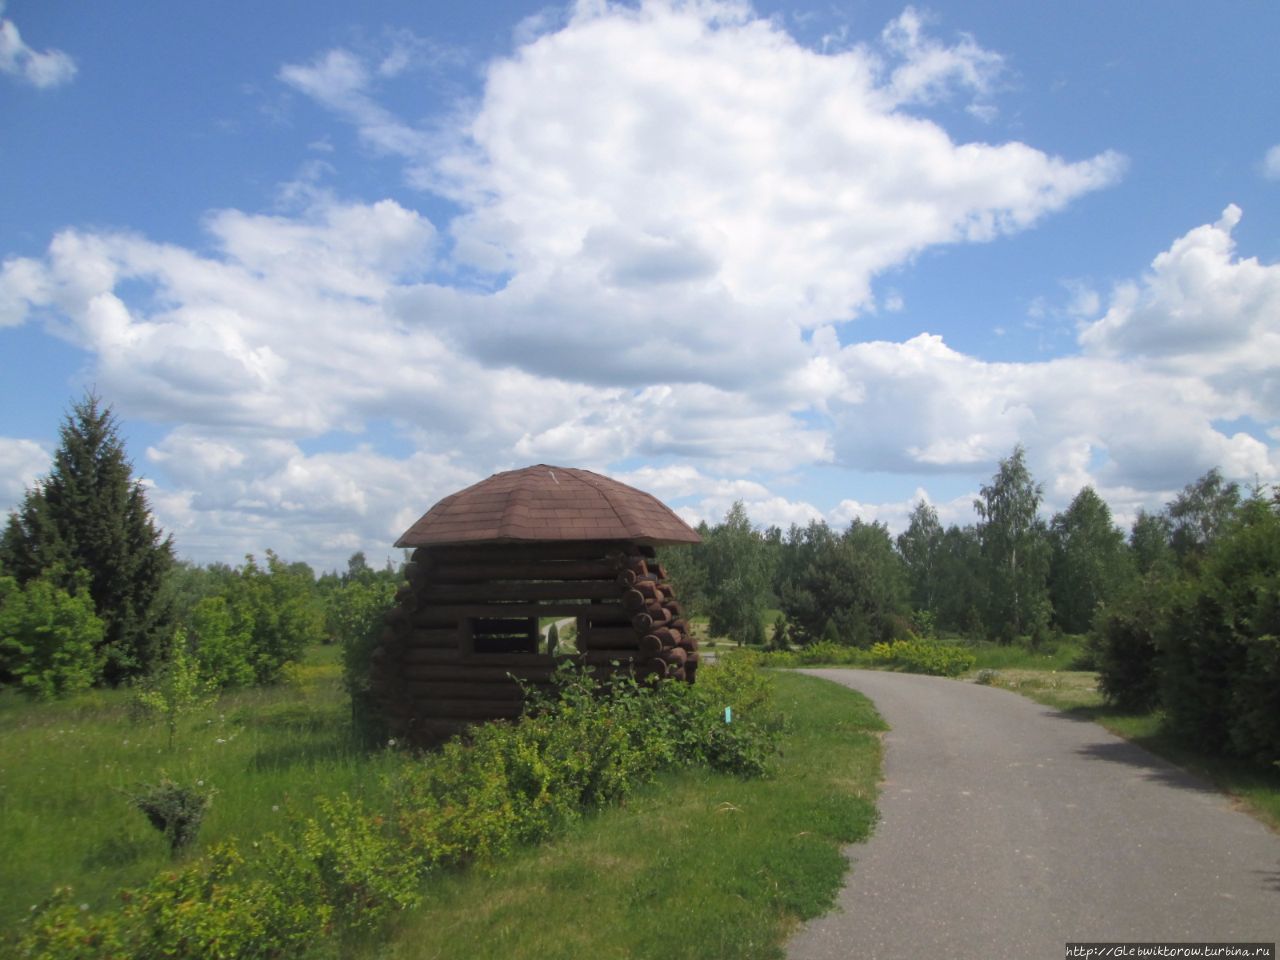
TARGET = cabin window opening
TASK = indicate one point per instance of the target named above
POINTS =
(504, 635)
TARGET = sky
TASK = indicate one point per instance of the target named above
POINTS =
(332, 262)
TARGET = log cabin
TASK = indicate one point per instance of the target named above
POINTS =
(491, 564)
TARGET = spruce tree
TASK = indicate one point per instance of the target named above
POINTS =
(91, 514)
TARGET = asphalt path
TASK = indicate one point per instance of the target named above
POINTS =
(1008, 829)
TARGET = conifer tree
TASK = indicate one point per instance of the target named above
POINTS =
(91, 514)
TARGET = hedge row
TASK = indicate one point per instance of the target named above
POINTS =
(909, 656)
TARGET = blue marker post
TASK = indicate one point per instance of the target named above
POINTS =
(728, 714)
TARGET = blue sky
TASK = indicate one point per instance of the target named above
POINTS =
(331, 263)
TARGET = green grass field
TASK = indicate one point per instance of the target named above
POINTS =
(67, 769)
(695, 865)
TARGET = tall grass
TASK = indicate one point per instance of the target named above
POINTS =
(68, 769)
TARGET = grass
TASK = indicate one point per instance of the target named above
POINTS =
(695, 865)
(1256, 788)
(67, 770)
(1064, 654)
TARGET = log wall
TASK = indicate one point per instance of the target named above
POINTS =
(456, 647)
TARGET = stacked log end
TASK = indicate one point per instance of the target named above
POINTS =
(462, 644)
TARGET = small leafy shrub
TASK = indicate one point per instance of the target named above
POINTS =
(361, 870)
(918, 656)
(175, 810)
(175, 688)
(987, 677)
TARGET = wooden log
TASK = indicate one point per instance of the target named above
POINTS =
(622, 635)
(605, 657)
(433, 637)
(425, 733)
(458, 672)
(542, 550)
(462, 690)
(456, 612)
(653, 644)
(655, 667)
(668, 635)
(675, 656)
(611, 638)
(468, 709)
(515, 570)
(480, 592)
(676, 673)
(645, 622)
(431, 655)
(687, 643)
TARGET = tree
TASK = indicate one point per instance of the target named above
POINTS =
(91, 514)
(1149, 541)
(854, 584)
(961, 590)
(1014, 549)
(1200, 512)
(738, 578)
(1089, 562)
(279, 608)
(48, 637)
(919, 546)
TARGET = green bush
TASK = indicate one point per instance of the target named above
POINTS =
(918, 656)
(175, 810)
(49, 638)
(1220, 676)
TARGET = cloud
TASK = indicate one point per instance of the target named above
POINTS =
(43, 69)
(1271, 163)
(22, 464)
(685, 188)
(1201, 311)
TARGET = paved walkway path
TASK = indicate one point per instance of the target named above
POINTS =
(1008, 829)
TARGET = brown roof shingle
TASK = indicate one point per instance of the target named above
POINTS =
(548, 503)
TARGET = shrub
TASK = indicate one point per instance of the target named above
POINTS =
(49, 638)
(175, 810)
(1124, 644)
(174, 688)
(918, 656)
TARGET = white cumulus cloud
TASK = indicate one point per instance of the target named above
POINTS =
(39, 68)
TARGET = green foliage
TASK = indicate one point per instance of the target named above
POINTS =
(1089, 561)
(1200, 513)
(1124, 642)
(50, 640)
(849, 588)
(355, 864)
(918, 656)
(91, 515)
(920, 547)
(355, 618)
(1220, 677)
(175, 688)
(176, 810)
(1014, 550)
(738, 575)
(349, 869)
(223, 643)
(1149, 542)
(961, 592)
(279, 609)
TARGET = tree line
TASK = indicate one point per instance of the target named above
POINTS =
(92, 594)
(1012, 576)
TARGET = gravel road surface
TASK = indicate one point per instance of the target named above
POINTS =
(1008, 829)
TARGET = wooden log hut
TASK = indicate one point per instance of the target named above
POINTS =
(492, 561)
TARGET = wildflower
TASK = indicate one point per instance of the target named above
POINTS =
(84, 908)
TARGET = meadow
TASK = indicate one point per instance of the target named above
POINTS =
(750, 857)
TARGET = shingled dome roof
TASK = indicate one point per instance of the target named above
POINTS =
(543, 503)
